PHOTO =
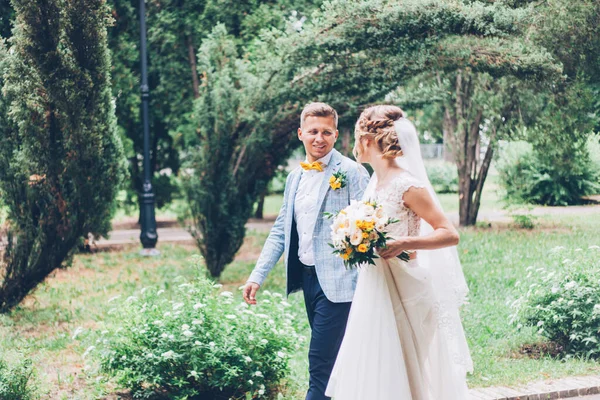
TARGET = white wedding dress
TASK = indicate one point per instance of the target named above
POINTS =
(399, 343)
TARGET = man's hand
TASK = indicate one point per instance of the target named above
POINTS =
(250, 292)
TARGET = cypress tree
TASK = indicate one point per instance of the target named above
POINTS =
(61, 160)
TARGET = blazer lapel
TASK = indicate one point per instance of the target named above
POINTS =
(332, 168)
(292, 196)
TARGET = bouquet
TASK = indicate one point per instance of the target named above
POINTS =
(358, 230)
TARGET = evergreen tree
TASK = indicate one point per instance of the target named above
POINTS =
(61, 161)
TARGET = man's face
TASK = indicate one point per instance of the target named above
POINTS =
(318, 135)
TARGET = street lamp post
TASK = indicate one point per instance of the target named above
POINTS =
(148, 237)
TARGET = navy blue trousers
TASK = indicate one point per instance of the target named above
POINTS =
(328, 323)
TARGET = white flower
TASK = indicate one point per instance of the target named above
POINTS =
(570, 285)
(164, 336)
(149, 355)
(226, 294)
(194, 374)
(250, 381)
(211, 344)
(131, 299)
(263, 316)
(540, 323)
(158, 322)
(230, 316)
(177, 306)
(276, 295)
(160, 292)
(267, 293)
(280, 354)
(77, 332)
(199, 305)
(166, 314)
(196, 322)
(143, 290)
(261, 392)
(187, 333)
(113, 298)
(264, 341)
(258, 373)
(247, 359)
(185, 327)
(217, 286)
(197, 343)
(168, 354)
(593, 247)
(285, 304)
(356, 237)
(88, 350)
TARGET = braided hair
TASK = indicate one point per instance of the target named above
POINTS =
(377, 123)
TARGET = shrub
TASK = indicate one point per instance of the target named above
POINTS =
(200, 344)
(564, 302)
(443, 177)
(538, 178)
(17, 381)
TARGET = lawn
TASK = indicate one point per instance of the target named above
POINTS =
(54, 325)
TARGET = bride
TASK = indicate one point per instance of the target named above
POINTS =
(404, 339)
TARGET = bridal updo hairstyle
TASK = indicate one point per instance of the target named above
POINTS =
(377, 124)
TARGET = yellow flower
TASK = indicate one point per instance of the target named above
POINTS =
(362, 248)
(365, 235)
(335, 183)
(345, 256)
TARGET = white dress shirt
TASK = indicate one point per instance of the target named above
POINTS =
(306, 210)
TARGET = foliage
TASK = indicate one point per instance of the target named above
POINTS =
(17, 381)
(558, 170)
(564, 303)
(443, 177)
(61, 160)
(176, 30)
(535, 179)
(199, 344)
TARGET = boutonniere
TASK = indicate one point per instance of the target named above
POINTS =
(338, 180)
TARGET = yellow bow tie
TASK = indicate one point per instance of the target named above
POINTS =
(317, 165)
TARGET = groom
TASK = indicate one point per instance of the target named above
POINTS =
(302, 233)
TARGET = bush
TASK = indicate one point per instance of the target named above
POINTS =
(564, 303)
(17, 382)
(443, 177)
(536, 177)
(200, 344)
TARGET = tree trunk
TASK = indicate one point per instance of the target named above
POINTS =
(346, 139)
(260, 208)
(193, 67)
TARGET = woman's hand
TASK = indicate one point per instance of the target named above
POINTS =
(393, 248)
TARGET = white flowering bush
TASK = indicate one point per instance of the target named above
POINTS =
(198, 343)
(563, 300)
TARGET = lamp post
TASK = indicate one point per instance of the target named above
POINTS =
(148, 236)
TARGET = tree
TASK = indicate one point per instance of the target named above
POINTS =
(350, 54)
(61, 161)
(176, 30)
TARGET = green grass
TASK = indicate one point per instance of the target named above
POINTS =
(77, 298)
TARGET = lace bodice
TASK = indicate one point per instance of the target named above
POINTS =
(391, 196)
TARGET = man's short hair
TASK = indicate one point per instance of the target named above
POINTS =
(319, 110)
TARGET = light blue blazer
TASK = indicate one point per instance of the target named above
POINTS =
(337, 282)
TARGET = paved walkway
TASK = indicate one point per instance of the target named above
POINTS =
(127, 232)
(566, 388)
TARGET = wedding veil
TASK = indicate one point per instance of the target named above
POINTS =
(448, 278)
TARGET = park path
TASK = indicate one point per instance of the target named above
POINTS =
(127, 232)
